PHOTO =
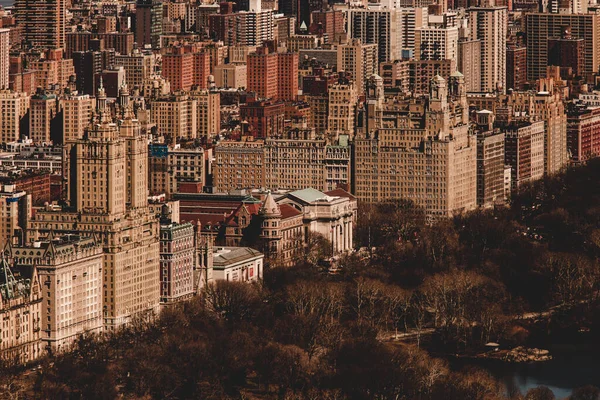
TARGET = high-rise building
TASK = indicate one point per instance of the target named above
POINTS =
(516, 66)
(295, 159)
(52, 69)
(148, 22)
(176, 259)
(42, 22)
(138, 66)
(327, 23)
(341, 113)
(273, 75)
(395, 75)
(490, 25)
(358, 60)
(437, 42)
(411, 19)
(231, 76)
(469, 63)
(422, 72)
(524, 151)
(121, 42)
(300, 159)
(539, 27)
(263, 118)
(238, 164)
(21, 296)
(245, 28)
(89, 64)
(4, 58)
(186, 66)
(77, 113)
(21, 79)
(106, 184)
(208, 113)
(583, 133)
(43, 110)
(13, 108)
(490, 161)
(175, 116)
(428, 158)
(172, 166)
(70, 270)
(377, 25)
(567, 52)
(546, 104)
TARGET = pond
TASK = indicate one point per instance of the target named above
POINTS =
(572, 366)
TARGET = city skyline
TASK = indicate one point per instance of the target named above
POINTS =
(152, 150)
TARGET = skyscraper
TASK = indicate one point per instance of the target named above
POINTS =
(106, 183)
(377, 25)
(13, 107)
(359, 60)
(436, 43)
(43, 22)
(148, 22)
(469, 63)
(490, 24)
(4, 57)
(539, 27)
(273, 75)
(516, 66)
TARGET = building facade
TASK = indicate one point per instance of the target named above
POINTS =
(177, 252)
(490, 25)
(21, 311)
(70, 270)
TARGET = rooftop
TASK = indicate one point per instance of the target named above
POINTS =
(225, 256)
(310, 195)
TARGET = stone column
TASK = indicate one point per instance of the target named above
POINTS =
(346, 236)
(350, 233)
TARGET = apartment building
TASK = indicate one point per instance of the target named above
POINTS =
(176, 259)
(13, 107)
(77, 113)
(539, 27)
(21, 308)
(524, 151)
(376, 25)
(490, 25)
(358, 61)
(422, 152)
(70, 270)
(106, 184)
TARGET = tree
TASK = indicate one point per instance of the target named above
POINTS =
(280, 365)
(232, 301)
(573, 277)
(586, 393)
(317, 249)
(540, 393)
(10, 375)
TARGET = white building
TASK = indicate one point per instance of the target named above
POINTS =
(330, 214)
(439, 40)
(237, 264)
